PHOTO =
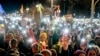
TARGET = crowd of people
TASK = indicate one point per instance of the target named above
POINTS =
(49, 44)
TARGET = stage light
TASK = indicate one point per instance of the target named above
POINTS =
(30, 40)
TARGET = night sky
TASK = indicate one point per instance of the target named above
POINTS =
(79, 7)
(12, 5)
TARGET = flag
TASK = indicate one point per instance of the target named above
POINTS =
(2, 12)
(39, 8)
(31, 34)
(21, 9)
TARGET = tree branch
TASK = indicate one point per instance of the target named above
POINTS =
(96, 2)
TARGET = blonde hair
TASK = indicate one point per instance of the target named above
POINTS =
(43, 34)
(11, 32)
(12, 35)
(95, 48)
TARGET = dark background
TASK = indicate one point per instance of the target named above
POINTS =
(79, 7)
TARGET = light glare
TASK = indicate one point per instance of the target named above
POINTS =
(30, 40)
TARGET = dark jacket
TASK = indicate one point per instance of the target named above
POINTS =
(62, 52)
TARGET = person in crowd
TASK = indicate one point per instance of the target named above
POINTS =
(57, 11)
(21, 44)
(92, 41)
(2, 52)
(17, 32)
(88, 37)
(64, 48)
(11, 31)
(19, 36)
(58, 46)
(79, 53)
(13, 52)
(97, 39)
(38, 54)
(97, 49)
(43, 40)
(13, 44)
(93, 50)
(50, 39)
(97, 33)
(8, 38)
(46, 52)
(54, 53)
(35, 48)
(83, 44)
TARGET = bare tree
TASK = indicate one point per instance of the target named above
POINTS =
(93, 5)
